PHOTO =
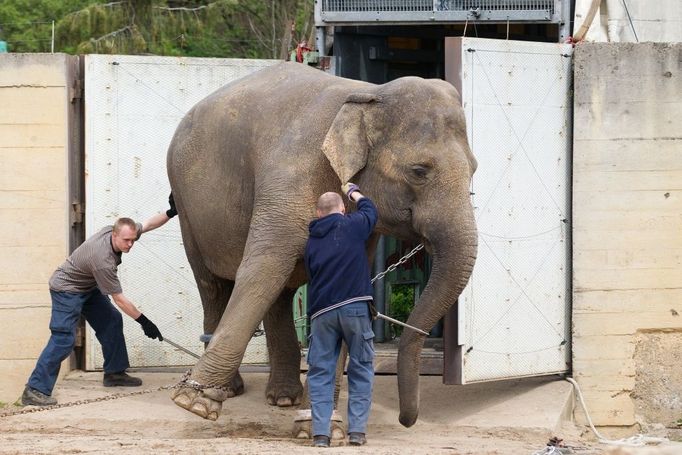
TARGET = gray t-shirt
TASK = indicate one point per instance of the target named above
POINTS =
(94, 264)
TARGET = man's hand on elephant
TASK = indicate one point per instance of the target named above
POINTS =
(349, 188)
(149, 328)
(172, 211)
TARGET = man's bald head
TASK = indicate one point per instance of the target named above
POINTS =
(329, 203)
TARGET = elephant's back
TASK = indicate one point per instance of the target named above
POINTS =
(267, 123)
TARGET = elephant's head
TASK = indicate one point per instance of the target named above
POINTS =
(405, 144)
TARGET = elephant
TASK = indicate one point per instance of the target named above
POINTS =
(246, 166)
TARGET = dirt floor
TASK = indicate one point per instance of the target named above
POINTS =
(501, 418)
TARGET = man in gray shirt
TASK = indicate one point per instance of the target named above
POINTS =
(80, 286)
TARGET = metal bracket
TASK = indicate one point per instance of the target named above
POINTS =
(76, 213)
(76, 90)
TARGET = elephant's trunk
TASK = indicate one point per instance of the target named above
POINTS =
(453, 248)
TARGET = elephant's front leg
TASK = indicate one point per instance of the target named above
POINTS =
(284, 384)
(260, 280)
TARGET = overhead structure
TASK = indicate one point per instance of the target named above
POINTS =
(406, 12)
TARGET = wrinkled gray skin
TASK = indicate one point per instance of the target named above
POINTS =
(246, 166)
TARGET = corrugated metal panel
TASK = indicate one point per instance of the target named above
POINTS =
(434, 11)
(133, 105)
(515, 312)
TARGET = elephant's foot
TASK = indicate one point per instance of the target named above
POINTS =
(284, 393)
(205, 403)
(303, 425)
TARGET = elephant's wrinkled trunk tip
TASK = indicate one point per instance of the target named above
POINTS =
(408, 419)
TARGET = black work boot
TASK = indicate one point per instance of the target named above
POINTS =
(357, 439)
(121, 379)
(321, 440)
(33, 397)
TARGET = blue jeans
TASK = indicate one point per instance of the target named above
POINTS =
(351, 323)
(102, 316)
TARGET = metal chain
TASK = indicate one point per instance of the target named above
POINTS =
(185, 382)
(402, 260)
(114, 396)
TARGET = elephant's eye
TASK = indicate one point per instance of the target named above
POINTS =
(419, 171)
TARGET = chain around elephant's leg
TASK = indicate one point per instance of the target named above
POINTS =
(204, 401)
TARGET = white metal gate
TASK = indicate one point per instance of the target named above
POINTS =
(133, 105)
(514, 316)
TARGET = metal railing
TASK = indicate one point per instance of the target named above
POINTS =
(328, 12)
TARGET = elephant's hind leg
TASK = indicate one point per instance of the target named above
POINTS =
(284, 385)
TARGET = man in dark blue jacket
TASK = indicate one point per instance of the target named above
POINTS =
(339, 294)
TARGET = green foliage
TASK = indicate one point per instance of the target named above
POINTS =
(401, 305)
(220, 28)
(26, 25)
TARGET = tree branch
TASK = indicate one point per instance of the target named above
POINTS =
(112, 34)
(181, 8)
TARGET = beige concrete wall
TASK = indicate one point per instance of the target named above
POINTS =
(34, 233)
(627, 217)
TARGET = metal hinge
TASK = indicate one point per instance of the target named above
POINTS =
(77, 212)
(76, 92)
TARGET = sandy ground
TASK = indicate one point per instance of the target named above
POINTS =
(500, 418)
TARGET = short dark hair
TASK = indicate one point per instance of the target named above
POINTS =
(124, 222)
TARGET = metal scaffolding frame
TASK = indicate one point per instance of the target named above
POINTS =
(338, 12)
(330, 13)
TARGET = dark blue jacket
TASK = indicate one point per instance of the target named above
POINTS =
(336, 259)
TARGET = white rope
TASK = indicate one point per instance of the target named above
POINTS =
(633, 441)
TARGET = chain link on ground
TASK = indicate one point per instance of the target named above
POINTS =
(115, 396)
(185, 382)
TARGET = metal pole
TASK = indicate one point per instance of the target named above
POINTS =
(183, 349)
(52, 46)
(565, 24)
(320, 40)
(379, 290)
(400, 323)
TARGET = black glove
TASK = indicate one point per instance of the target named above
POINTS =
(172, 211)
(150, 329)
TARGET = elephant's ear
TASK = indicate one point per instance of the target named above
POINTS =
(346, 144)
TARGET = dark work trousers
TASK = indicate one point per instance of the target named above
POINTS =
(102, 316)
(353, 324)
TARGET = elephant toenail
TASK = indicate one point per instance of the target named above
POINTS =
(199, 409)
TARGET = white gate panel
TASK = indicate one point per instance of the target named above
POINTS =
(514, 316)
(133, 105)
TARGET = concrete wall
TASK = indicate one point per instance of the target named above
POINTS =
(627, 220)
(34, 191)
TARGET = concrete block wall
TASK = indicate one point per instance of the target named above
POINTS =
(34, 233)
(627, 218)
